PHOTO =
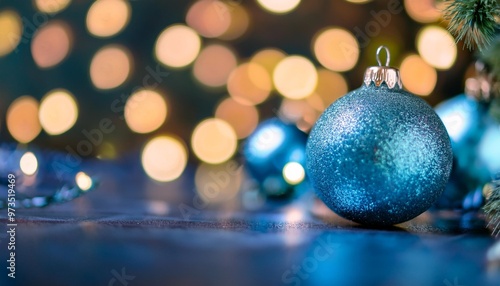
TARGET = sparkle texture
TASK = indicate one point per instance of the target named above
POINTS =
(379, 156)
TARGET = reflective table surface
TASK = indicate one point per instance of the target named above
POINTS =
(134, 231)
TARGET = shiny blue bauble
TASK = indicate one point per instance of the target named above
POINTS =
(379, 156)
(267, 151)
(475, 139)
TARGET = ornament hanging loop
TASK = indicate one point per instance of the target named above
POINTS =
(388, 60)
(383, 74)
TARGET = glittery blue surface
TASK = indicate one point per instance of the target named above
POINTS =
(269, 148)
(379, 156)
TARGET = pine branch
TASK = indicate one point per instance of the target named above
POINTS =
(475, 21)
(492, 208)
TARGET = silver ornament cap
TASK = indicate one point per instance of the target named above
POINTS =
(380, 74)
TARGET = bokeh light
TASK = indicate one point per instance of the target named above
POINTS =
(359, 1)
(243, 118)
(214, 64)
(28, 164)
(423, 11)
(51, 44)
(295, 77)
(249, 84)
(11, 29)
(145, 111)
(268, 59)
(164, 158)
(22, 119)
(294, 173)
(177, 46)
(279, 6)
(299, 112)
(418, 77)
(58, 112)
(437, 47)
(108, 17)
(210, 18)
(331, 86)
(110, 67)
(240, 21)
(83, 181)
(214, 141)
(220, 183)
(51, 6)
(336, 49)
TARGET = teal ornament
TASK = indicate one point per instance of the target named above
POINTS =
(379, 155)
(465, 120)
(275, 157)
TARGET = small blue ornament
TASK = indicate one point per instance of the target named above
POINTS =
(379, 155)
(275, 156)
(475, 139)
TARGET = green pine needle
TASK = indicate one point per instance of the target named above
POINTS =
(475, 21)
(492, 208)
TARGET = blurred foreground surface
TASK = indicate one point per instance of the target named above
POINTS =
(132, 231)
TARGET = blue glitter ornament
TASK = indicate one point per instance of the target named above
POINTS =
(379, 155)
(465, 120)
(275, 156)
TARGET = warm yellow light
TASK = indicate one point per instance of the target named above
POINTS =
(83, 181)
(216, 184)
(423, 11)
(437, 47)
(51, 6)
(240, 20)
(110, 67)
(249, 84)
(214, 141)
(214, 64)
(108, 17)
(295, 77)
(300, 112)
(22, 119)
(28, 164)
(145, 111)
(58, 112)
(336, 49)
(268, 59)
(210, 18)
(331, 86)
(418, 77)
(243, 118)
(51, 44)
(177, 46)
(359, 1)
(279, 6)
(11, 30)
(294, 173)
(164, 158)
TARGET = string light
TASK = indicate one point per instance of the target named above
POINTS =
(249, 84)
(58, 112)
(51, 44)
(295, 77)
(177, 46)
(232, 112)
(279, 6)
(28, 164)
(164, 158)
(336, 49)
(145, 111)
(11, 30)
(214, 64)
(83, 181)
(110, 67)
(22, 119)
(437, 47)
(214, 141)
(107, 18)
(418, 76)
(210, 18)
